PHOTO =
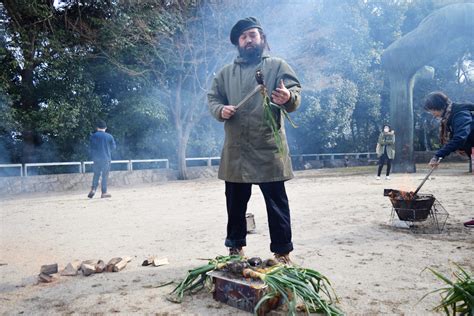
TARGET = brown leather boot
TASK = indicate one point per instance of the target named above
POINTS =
(237, 251)
(283, 258)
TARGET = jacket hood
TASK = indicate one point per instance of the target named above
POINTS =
(240, 60)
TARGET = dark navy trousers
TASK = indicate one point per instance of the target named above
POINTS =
(278, 213)
(100, 167)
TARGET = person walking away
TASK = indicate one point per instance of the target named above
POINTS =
(250, 154)
(101, 146)
(385, 150)
(456, 128)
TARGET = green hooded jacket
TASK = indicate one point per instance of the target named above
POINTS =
(386, 140)
(250, 154)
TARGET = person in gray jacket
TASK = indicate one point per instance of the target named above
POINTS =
(250, 154)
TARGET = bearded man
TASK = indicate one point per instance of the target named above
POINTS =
(250, 154)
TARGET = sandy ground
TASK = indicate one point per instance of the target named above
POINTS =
(340, 228)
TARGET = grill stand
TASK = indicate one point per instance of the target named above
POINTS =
(434, 223)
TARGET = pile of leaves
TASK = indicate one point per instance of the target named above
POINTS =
(298, 288)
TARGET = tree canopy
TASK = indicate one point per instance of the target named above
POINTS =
(145, 66)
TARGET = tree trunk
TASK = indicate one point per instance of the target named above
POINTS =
(182, 169)
(401, 116)
(180, 130)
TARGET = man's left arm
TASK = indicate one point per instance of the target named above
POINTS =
(112, 143)
(287, 76)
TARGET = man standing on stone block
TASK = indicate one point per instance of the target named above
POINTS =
(101, 145)
(251, 154)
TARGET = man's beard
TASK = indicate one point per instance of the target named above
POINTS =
(253, 53)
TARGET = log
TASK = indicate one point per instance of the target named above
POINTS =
(100, 266)
(119, 266)
(76, 264)
(87, 268)
(148, 261)
(122, 264)
(49, 268)
(160, 262)
(70, 270)
(112, 263)
(45, 278)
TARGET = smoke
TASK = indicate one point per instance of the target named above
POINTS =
(329, 44)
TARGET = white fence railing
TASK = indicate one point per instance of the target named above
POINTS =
(13, 165)
(367, 155)
(207, 159)
(82, 165)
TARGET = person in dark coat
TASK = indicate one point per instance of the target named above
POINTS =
(101, 146)
(456, 128)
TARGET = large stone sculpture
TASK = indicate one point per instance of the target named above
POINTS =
(449, 28)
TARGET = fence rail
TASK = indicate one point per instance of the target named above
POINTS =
(367, 155)
(207, 159)
(81, 165)
(50, 164)
(13, 165)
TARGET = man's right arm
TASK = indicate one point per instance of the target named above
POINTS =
(216, 97)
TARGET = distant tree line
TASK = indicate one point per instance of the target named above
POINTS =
(145, 66)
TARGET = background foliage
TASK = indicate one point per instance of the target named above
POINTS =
(144, 67)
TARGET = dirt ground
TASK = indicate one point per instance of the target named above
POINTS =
(341, 228)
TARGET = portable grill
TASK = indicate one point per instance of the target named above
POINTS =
(413, 207)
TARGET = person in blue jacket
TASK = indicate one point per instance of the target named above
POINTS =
(456, 128)
(101, 146)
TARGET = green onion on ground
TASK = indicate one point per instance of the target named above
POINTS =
(457, 298)
(298, 286)
(195, 279)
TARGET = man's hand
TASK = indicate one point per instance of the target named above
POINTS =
(434, 162)
(281, 95)
(227, 111)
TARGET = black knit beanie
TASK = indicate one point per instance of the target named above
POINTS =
(242, 26)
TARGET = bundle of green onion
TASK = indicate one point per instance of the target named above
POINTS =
(458, 297)
(195, 279)
(296, 285)
(271, 121)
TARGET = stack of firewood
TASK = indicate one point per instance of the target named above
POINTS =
(87, 267)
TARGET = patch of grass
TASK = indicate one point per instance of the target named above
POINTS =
(457, 297)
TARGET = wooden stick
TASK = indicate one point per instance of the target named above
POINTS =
(257, 89)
